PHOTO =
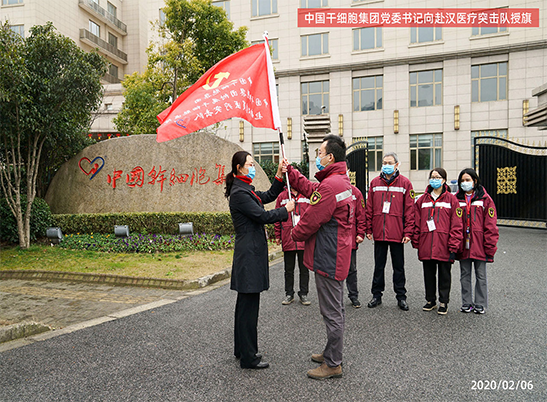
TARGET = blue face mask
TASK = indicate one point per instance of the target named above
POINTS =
(318, 163)
(435, 183)
(466, 186)
(388, 169)
(252, 172)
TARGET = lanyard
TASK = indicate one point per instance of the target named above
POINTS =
(433, 201)
(468, 201)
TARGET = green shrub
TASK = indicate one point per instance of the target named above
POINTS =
(216, 223)
(146, 222)
(40, 220)
(138, 243)
(269, 168)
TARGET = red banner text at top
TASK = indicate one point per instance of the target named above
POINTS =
(418, 17)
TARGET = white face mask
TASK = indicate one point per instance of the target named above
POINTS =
(466, 186)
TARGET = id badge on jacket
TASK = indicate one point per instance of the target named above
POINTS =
(431, 224)
(296, 219)
(387, 205)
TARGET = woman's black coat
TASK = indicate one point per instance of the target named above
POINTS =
(250, 271)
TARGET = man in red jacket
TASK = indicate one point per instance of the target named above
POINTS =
(293, 249)
(390, 221)
(327, 227)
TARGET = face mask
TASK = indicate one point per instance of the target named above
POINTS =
(318, 163)
(466, 186)
(435, 183)
(388, 169)
(252, 172)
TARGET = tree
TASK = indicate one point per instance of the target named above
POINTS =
(48, 89)
(196, 35)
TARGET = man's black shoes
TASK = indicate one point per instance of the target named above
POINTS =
(261, 365)
(374, 302)
(402, 305)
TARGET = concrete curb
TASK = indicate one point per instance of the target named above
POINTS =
(120, 280)
(22, 330)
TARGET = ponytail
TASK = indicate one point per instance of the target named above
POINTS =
(229, 182)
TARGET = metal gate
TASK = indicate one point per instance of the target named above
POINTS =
(515, 176)
(357, 157)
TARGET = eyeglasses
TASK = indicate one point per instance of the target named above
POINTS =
(436, 177)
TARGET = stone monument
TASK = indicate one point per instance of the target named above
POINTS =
(137, 174)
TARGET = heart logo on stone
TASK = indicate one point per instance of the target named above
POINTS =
(93, 167)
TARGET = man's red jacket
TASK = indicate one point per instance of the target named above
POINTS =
(327, 225)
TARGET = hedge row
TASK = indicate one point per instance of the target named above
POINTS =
(218, 223)
(146, 222)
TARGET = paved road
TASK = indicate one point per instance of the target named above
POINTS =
(182, 351)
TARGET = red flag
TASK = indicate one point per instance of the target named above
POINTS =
(241, 85)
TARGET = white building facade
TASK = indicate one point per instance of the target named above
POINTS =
(424, 93)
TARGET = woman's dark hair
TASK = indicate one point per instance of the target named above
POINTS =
(440, 171)
(474, 176)
(239, 158)
(335, 146)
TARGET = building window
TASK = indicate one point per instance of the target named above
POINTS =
(425, 151)
(315, 45)
(162, 17)
(225, 5)
(313, 3)
(315, 95)
(367, 38)
(266, 151)
(478, 31)
(108, 106)
(113, 70)
(113, 40)
(426, 88)
(273, 47)
(263, 7)
(367, 93)
(112, 9)
(421, 35)
(18, 29)
(11, 2)
(375, 151)
(94, 29)
(489, 82)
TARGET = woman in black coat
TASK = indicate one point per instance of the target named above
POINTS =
(250, 274)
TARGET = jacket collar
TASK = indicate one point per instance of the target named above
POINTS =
(244, 179)
(389, 181)
(429, 190)
(335, 168)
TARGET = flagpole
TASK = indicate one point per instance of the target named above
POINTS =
(282, 145)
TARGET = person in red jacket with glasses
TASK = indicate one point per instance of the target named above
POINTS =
(390, 222)
(437, 236)
(327, 229)
(480, 239)
(293, 249)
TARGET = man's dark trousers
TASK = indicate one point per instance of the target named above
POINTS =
(351, 281)
(398, 262)
(304, 275)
